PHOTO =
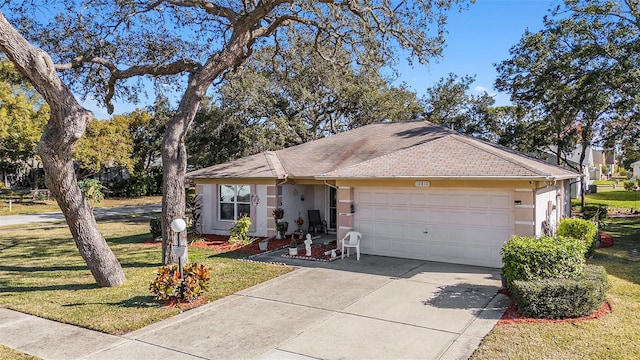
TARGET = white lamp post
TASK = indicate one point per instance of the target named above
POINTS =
(178, 226)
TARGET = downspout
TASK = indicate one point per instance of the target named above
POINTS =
(329, 185)
(286, 178)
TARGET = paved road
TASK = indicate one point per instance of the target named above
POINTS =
(151, 209)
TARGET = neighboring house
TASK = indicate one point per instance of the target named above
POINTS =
(636, 169)
(413, 189)
(573, 161)
(603, 164)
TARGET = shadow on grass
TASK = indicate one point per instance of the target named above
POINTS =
(616, 260)
(66, 287)
(28, 269)
(138, 302)
(230, 255)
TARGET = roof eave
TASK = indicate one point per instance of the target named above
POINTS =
(454, 177)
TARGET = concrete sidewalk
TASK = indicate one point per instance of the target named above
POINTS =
(399, 309)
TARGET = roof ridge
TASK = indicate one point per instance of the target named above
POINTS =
(275, 164)
(493, 147)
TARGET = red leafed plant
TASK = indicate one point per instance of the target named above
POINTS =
(167, 285)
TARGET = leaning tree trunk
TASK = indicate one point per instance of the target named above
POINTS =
(174, 153)
(66, 125)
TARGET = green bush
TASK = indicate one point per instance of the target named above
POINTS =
(581, 229)
(167, 284)
(155, 226)
(562, 298)
(629, 185)
(595, 213)
(530, 258)
(239, 231)
(140, 184)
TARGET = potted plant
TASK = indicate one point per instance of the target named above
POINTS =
(293, 246)
(281, 228)
(278, 213)
(263, 244)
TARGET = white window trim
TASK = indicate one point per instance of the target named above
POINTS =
(235, 202)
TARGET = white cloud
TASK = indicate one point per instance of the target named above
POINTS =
(479, 89)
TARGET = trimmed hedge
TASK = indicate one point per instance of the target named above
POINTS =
(530, 258)
(562, 298)
(581, 229)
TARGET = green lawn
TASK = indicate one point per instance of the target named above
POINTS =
(615, 199)
(41, 273)
(35, 207)
(7, 353)
(614, 336)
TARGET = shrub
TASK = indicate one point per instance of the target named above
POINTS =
(562, 298)
(629, 185)
(530, 258)
(167, 284)
(155, 224)
(595, 213)
(581, 229)
(239, 231)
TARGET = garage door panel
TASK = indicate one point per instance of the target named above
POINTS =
(501, 202)
(462, 226)
(457, 200)
(479, 201)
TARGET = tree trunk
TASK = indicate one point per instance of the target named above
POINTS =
(174, 153)
(66, 125)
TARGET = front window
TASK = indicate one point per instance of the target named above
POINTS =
(234, 202)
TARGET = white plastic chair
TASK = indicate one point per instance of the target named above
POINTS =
(353, 242)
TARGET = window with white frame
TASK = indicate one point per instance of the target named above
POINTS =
(234, 201)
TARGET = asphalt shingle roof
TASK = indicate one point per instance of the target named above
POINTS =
(389, 150)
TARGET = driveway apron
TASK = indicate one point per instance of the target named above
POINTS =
(378, 308)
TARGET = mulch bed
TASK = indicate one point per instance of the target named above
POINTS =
(220, 243)
(317, 253)
(513, 316)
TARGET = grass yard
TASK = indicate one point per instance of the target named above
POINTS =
(615, 199)
(42, 273)
(7, 353)
(614, 336)
(35, 207)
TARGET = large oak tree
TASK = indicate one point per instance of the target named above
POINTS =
(104, 48)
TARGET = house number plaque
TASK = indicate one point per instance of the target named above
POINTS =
(424, 183)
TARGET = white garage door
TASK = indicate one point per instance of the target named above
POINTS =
(457, 226)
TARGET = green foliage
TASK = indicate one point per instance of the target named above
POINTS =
(581, 229)
(529, 258)
(239, 231)
(155, 225)
(562, 298)
(92, 190)
(595, 212)
(167, 284)
(629, 185)
(23, 116)
(448, 102)
(282, 227)
(105, 143)
(139, 184)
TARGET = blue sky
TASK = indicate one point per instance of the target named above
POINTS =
(477, 38)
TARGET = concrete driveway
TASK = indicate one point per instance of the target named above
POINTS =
(378, 308)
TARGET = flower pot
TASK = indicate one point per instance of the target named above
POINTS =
(293, 251)
(262, 245)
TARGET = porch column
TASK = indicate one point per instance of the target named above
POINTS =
(344, 197)
(272, 203)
